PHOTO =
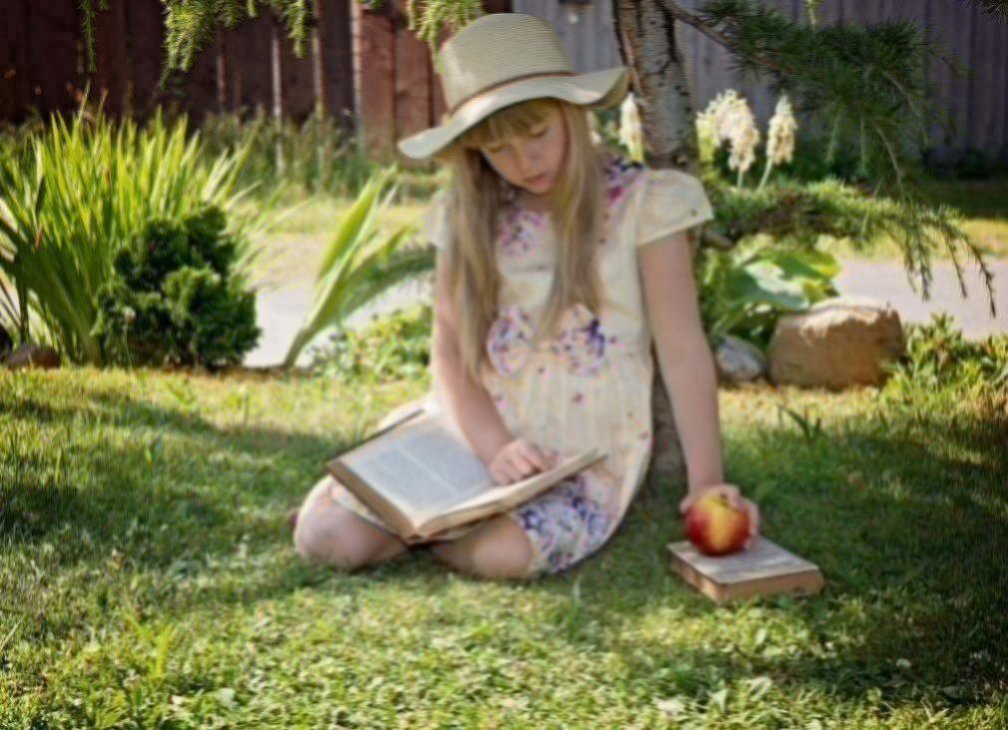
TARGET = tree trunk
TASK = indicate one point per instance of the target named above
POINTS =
(646, 32)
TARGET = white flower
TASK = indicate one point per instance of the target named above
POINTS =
(738, 126)
(630, 133)
(728, 117)
(781, 133)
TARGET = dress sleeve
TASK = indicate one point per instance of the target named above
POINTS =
(671, 201)
(434, 222)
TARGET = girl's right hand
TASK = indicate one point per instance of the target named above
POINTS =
(519, 459)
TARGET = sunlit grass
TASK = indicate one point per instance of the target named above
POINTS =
(148, 578)
(293, 249)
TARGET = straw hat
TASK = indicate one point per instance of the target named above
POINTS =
(504, 58)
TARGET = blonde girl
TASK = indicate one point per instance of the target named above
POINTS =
(559, 261)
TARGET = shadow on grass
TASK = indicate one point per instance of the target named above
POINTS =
(152, 483)
(910, 530)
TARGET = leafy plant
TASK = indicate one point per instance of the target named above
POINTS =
(174, 300)
(358, 265)
(393, 346)
(811, 428)
(77, 192)
(315, 156)
(938, 354)
(744, 291)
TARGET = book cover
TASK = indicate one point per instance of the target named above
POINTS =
(764, 569)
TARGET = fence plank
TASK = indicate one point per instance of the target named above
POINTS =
(984, 105)
(412, 84)
(53, 56)
(111, 77)
(337, 59)
(298, 81)
(251, 80)
(147, 34)
(14, 69)
(374, 68)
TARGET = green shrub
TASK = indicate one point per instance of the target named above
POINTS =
(174, 301)
(394, 346)
(71, 195)
(939, 355)
(745, 290)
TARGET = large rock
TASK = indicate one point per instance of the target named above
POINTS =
(836, 343)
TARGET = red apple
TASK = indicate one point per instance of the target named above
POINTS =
(715, 527)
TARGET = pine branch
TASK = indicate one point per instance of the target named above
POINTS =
(431, 18)
(797, 214)
(867, 83)
(88, 25)
(995, 8)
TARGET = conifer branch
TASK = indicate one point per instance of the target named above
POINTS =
(995, 8)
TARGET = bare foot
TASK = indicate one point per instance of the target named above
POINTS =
(292, 516)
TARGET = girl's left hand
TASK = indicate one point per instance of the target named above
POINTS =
(735, 499)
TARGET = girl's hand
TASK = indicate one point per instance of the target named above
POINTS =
(735, 499)
(519, 459)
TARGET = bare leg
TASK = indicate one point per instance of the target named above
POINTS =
(497, 549)
(327, 533)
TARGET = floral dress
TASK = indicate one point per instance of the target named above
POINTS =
(591, 385)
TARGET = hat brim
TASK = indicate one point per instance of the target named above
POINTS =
(593, 90)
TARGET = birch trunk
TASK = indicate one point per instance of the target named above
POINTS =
(646, 31)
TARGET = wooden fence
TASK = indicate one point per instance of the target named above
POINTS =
(369, 70)
(978, 106)
(364, 67)
(43, 64)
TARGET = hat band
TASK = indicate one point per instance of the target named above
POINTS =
(515, 79)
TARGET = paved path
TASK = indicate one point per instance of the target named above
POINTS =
(282, 310)
(887, 281)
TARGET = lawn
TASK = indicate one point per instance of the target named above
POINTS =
(148, 579)
(292, 254)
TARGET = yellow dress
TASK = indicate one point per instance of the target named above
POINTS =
(591, 385)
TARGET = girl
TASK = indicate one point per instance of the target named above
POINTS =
(557, 263)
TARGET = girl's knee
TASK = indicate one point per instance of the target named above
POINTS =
(332, 536)
(499, 550)
(508, 561)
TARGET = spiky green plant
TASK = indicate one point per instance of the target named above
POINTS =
(358, 264)
(77, 192)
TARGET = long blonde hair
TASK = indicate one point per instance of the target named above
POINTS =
(475, 201)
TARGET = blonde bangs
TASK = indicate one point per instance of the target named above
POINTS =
(511, 120)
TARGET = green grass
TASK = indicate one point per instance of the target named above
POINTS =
(292, 254)
(983, 203)
(148, 580)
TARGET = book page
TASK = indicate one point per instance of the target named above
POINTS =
(421, 467)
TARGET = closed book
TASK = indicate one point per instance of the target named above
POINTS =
(765, 568)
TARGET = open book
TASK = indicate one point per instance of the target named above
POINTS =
(420, 477)
(763, 569)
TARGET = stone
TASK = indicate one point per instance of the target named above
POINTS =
(836, 343)
(739, 361)
(37, 356)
